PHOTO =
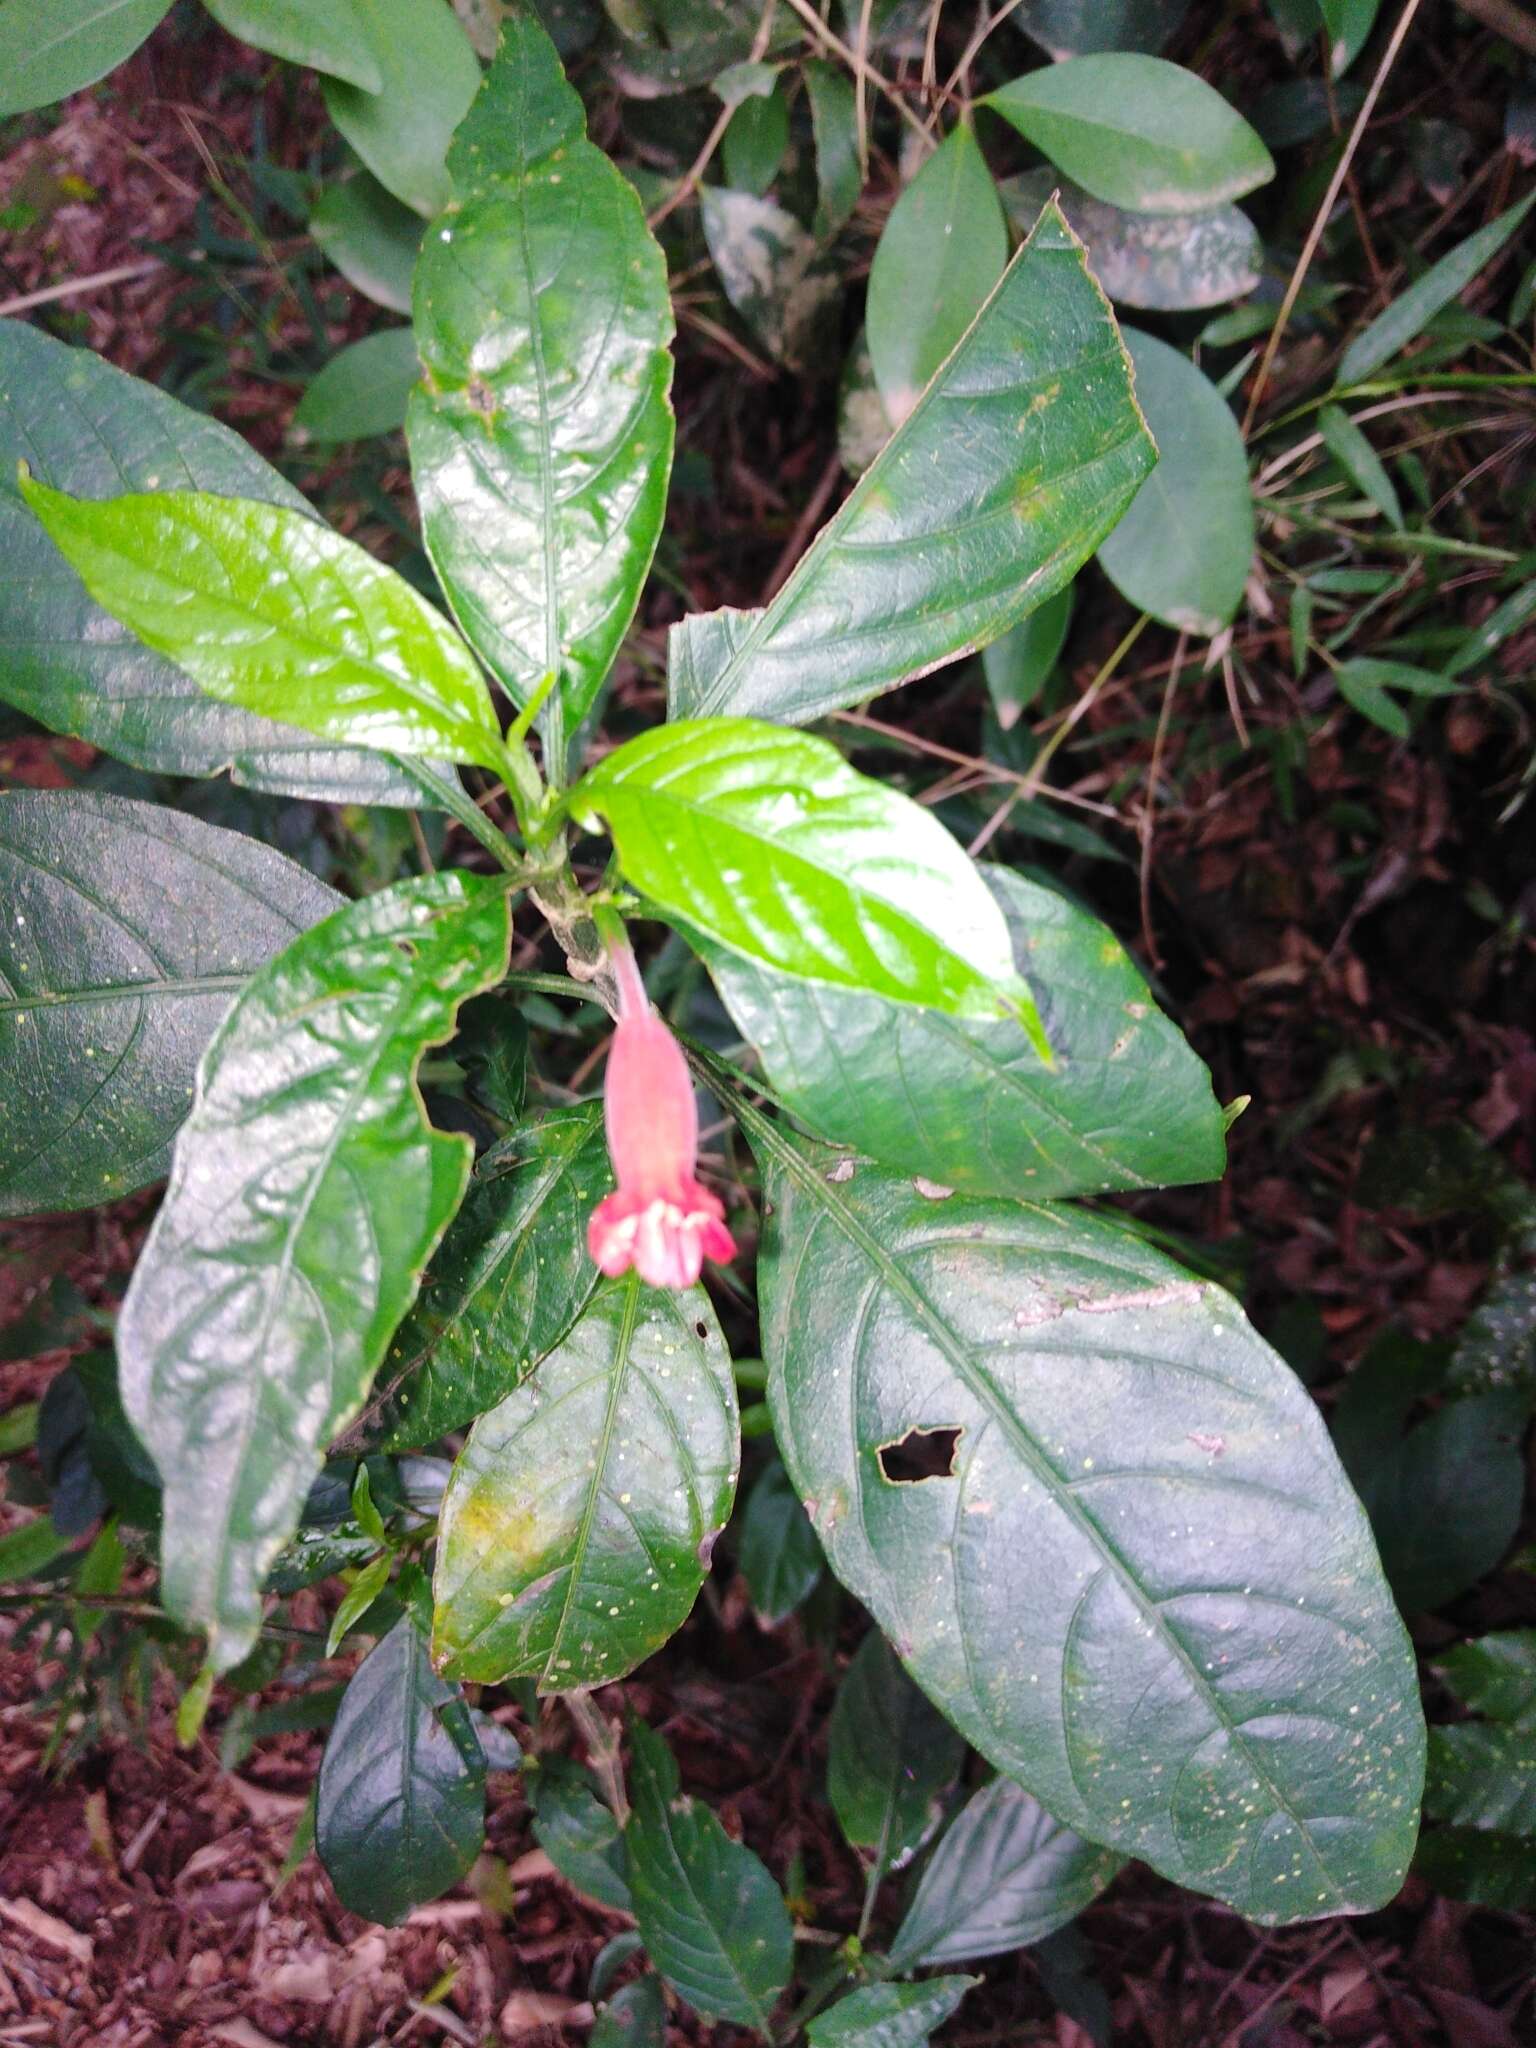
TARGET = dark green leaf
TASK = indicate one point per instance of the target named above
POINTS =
(889, 2015)
(123, 1468)
(773, 273)
(1480, 1866)
(1142, 1505)
(1411, 311)
(89, 429)
(755, 143)
(1482, 1774)
(578, 1525)
(328, 35)
(1137, 132)
(635, 2018)
(1073, 28)
(429, 76)
(969, 1103)
(129, 930)
(779, 1555)
(940, 255)
(1165, 262)
(254, 1324)
(1495, 1675)
(577, 1832)
(712, 1919)
(510, 1278)
(370, 237)
(49, 52)
(492, 1048)
(1004, 1875)
(1184, 549)
(932, 555)
(890, 1757)
(834, 129)
(1018, 666)
(1367, 684)
(267, 609)
(541, 442)
(766, 842)
(400, 1813)
(1360, 462)
(362, 390)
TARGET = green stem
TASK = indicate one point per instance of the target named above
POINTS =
(555, 985)
(450, 793)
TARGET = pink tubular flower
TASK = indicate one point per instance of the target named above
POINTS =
(660, 1221)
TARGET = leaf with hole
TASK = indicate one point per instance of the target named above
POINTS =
(969, 1102)
(891, 1756)
(1016, 461)
(328, 35)
(578, 1525)
(541, 440)
(429, 76)
(1162, 262)
(712, 1919)
(889, 2015)
(48, 53)
(400, 1805)
(91, 430)
(363, 389)
(1145, 1589)
(129, 931)
(254, 1324)
(267, 609)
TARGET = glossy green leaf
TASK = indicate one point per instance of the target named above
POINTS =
(754, 146)
(328, 35)
(429, 75)
(254, 1325)
(1005, 1875)
(969, 1103)
(773, 273)
(835, 133)
(362, 390)
(1144, 1589)
(779, 1555)
(364, 1590)
(767, 843)
(1360, 463)
(267, 609)
(1368, 685)
(635, 2017)
(939, 257)
(400, 1805)
(372, 239)
(1137, 132)
(508, 1281)
(1480, 1866)
(1184, 549)
(1018, 666)
(712, 1919)
(889, 2015)
(1074, 28)
(577, 1832)
(578, 1525)
(87, 428)
(1163, 262)
(48, 52)
(128, 932)
(1412, 310)
(541, 441)
(891, 1756)
(1015, 463)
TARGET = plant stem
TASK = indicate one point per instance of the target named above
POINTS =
(448, 791)
(602, 1742)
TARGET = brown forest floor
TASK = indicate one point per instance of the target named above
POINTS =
(139, 1898)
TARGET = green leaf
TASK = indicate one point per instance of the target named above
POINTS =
(328, 35)
(969, 1103)
(541, 442)
(1163, 262)
(1184, 549)
(1367, 684)
(766, 842)
(47, 54)
(1072, 28)
(267, 609)
(773, 273)
(1360, 462)
(577, 1832)
(889, 2015)
(128, 931)
(578, 1525)
(254, 1325)
(29, 1549)
(1494, 1675)
(779, 1555)
(429, 75)
(400, 1809)
(358, 1598)
(1411, 311)
(1482, 1774)
(1004, 1875)
(1137, 132)
(940, 255)
(510, 1278)
(362, 390)
(1143, 1506)
(1018, 666)
(932, 556)
(635, 2017)
(755, 143)
(891, 1756)
(90, 429)
(1480, 1866)
(835, 133)
(370, 237)
(1349, 24)
(712, 1919)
